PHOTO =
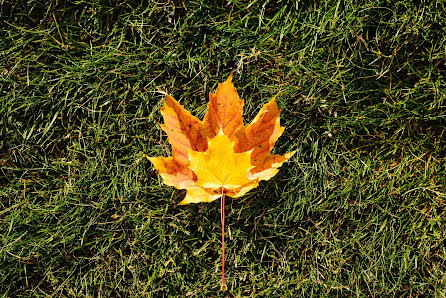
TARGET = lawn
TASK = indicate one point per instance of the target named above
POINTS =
(358, 211)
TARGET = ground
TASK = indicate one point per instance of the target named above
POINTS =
(358, 211)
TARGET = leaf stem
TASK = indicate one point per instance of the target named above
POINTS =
(223, 282)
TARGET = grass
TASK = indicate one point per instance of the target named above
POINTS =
(359, 211)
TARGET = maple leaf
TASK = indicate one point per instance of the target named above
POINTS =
(219, 156)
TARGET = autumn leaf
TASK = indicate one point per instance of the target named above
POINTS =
(219, 156)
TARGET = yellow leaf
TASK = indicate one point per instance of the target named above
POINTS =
(219, 154)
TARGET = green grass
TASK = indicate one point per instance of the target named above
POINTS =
(359, 211)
